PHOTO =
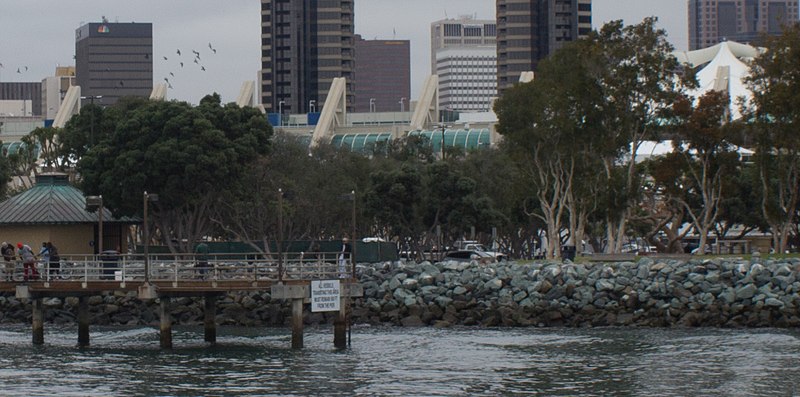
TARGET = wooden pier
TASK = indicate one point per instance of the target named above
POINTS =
(165, 277)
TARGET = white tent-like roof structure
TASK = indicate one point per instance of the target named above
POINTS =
(724, 68)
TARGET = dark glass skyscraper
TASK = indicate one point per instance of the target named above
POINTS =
(383, 74)
(305, 44)
(530, 30)
(113, 60)
(745, 21)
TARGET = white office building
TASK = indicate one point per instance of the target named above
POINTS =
(464, 57)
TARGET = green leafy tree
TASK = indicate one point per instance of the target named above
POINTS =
(640, 80)
(550, 125)
(5, 174)
(187, 155)
(710, 159)
(775, 116)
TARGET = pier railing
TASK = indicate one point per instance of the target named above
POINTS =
(178, 268)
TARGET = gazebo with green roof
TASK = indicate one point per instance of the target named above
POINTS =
(54, 210)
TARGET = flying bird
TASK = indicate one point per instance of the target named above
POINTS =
(195, 61)
(181, 64)
(166, 79)
(203, 68)
(172, 74)
(214, 50)
(26, 68)
(196, 53)
(210, 47)
(18, 70)
(121, 84)
(169, 85)
(165, 58)
(179, 52)
(1, 66)
(146, 56)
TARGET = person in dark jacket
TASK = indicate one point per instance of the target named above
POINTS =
(8, 260)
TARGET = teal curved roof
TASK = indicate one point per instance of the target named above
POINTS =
(361, 143)
(52, 201)
(461, 138)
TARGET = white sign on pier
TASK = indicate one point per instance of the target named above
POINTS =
(325, 295)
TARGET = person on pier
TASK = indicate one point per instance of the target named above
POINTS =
(344, 258)
(8, 260)
(28, 261)
(44, 254)
(55, 259)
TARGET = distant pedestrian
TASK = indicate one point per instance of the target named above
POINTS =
(28, 262)
(344, 258)
(55, 259)
(8, 260)
(201, 258)
(44, 255)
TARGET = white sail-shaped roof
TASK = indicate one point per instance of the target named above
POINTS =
(724, 68)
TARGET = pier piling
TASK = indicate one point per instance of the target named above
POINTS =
(83, 321)
(297, 323)
(340, 326)
(38, 321)
(210, 302)
(166, 324)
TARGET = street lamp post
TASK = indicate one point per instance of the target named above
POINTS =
(93, 202)
(402, 104)
(91, 98)
(147, 198)
(312, 106)
(355, 239)
(280, 110)
(372, 105)
(280, 234)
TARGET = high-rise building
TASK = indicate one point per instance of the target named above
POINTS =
(530, 30)
(383, 74)
(305, 44)
(464, 56)
(113, 60)
(744, 21)
(27, 97)
(54, 88)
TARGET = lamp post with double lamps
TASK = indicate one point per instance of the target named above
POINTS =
(147, 197)
(92, 203)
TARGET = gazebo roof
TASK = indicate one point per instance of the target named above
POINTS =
(52, 201)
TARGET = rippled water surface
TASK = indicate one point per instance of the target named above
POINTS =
(401, 362)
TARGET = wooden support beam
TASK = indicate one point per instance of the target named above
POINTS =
(210, 303)
(166, 324)
(297, 323)
(83, 321)
(38, 321)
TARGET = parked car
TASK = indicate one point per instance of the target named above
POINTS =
(469, 245)
(469, 256)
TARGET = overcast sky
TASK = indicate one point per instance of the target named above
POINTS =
(40, 34)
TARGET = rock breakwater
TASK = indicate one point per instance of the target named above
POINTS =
(656, 293)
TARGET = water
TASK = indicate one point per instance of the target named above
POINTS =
(402, 362)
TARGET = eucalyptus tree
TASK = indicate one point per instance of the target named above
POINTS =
(640, 79)
(187, 155)
(291, 194)
(5, 174)
(775, 116)
(551, 125)
(710, 160)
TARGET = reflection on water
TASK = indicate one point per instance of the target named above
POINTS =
(401, 362)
